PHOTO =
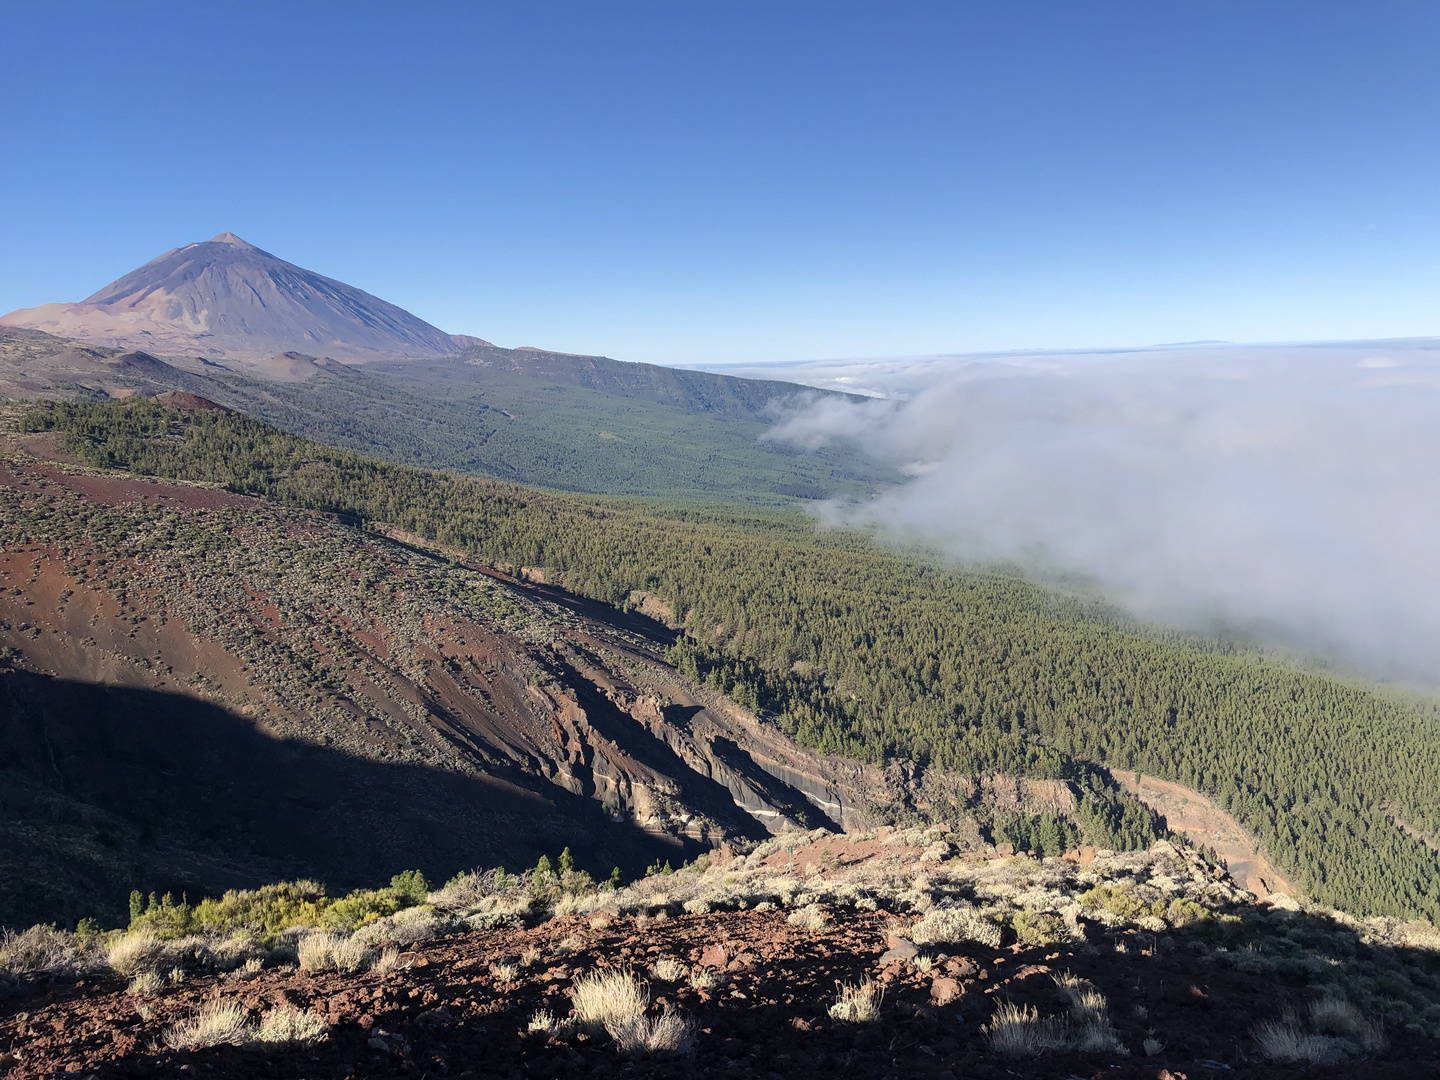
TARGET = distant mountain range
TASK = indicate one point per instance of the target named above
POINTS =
(225, 299)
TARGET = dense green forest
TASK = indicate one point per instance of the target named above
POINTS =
(874, 653)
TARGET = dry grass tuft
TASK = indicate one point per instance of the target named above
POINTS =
(289, 1026)
(1333, 1016)
(858, 1004)
(350, 955)
(1282, 1040)
(530, 957)
(1094, 1038)
(315, 953)
(320, 952)
(608, 996)
(503, 972)
(547, 1023)
(147, 982)
(1091, 1012)
(217, 1023)
(811, 917)
(665, 1035)
(1086, 1003)
(567, 945)
(668, 969)
(1016, 1031)
(704, 979)
(1152, 1047)
(389, 960)
(134, 952)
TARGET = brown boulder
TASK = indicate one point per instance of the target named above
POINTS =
(945, 990)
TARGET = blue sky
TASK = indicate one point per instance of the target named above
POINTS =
(743, 183)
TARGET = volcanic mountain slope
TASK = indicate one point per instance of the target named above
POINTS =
(205, 691)
(227, 299)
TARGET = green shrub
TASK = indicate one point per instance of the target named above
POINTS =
(1116, 899)
(270, 910)
(411, 886)
(362, 906)
(266, 911)
(1181, 912)
(1037, 928)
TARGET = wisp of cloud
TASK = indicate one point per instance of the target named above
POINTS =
(1292, 493)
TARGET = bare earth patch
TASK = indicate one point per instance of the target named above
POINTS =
(1202, 822)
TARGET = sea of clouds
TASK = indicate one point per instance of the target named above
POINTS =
(1287, 492)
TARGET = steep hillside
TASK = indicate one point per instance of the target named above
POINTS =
(877, 655)
(227, 299)
(203, 690)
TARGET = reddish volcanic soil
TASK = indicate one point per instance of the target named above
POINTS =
(120, 490)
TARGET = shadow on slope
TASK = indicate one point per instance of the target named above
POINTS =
(108, 788)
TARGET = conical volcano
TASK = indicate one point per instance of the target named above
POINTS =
(227, 299)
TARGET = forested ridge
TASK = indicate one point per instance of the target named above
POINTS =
(873, 653)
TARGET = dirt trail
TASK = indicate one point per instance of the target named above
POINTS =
(1200, 820)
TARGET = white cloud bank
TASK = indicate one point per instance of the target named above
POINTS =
(1291, 492)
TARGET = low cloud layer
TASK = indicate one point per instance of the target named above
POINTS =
(1288, 492)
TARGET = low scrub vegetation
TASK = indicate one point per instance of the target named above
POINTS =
(961, 923)
(269, 911)
(319, 952)
(37, 950)
(1284, 1041)
(289, 1026)
(548, 1024)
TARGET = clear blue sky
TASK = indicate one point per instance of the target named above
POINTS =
(734, 182)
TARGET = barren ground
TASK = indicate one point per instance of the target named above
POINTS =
(446, 1014)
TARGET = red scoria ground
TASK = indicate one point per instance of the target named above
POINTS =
(444, 1014)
